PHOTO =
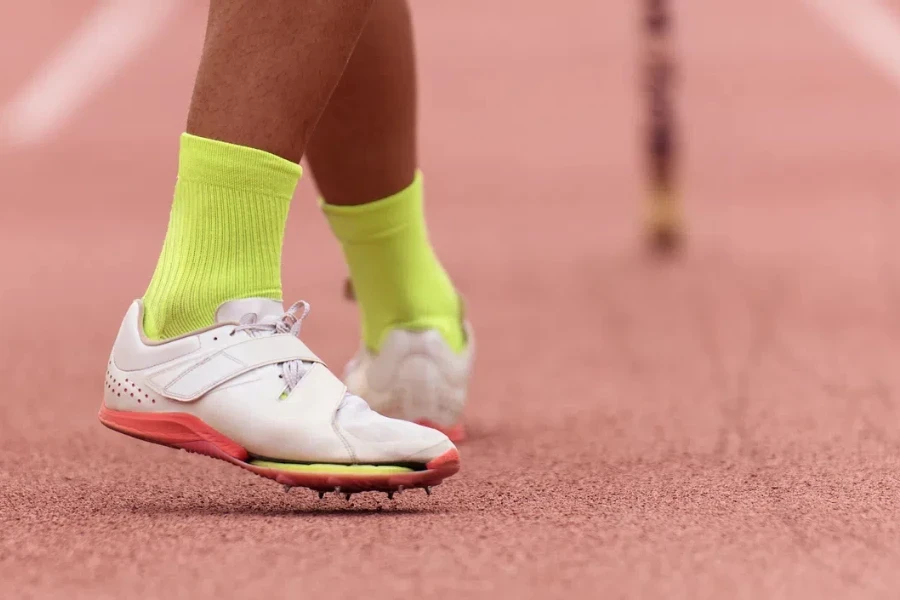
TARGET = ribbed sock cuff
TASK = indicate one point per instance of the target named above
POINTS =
(369, 222)
(212, 162)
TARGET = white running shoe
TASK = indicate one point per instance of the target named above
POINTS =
(416, 377)
(247, 390)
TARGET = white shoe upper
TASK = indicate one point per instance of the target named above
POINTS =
(253, 380)
(415, 376)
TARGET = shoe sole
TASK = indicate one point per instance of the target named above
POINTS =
(187, 432)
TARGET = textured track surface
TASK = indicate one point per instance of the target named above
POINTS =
(726, 425)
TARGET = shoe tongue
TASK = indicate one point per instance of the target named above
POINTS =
(263, 308)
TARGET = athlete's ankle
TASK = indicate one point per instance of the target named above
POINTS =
(398, 280)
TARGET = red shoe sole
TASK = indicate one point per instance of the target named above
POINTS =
(179, 430)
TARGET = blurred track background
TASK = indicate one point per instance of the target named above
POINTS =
(725, 425)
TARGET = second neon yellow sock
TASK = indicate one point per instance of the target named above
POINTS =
(398, 281)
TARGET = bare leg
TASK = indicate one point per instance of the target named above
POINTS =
(269, 68)
(364, 147)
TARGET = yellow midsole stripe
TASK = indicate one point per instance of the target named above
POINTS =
(332, 468)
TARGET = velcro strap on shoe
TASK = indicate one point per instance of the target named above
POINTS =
(188, 381)
(320, 393)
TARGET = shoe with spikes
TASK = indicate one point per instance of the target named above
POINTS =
(246, 390)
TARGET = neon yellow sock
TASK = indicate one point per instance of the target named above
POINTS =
(398, 281)
(225, 234)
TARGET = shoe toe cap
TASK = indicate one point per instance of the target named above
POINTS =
(429, 453)
(376, 438)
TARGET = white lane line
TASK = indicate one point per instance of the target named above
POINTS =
(871, 27)
(102, 45)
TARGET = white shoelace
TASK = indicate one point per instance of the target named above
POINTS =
(294, 370)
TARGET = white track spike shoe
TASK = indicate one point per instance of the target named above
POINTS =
(247, 390)
(415, 376)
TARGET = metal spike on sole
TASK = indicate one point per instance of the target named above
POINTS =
(337, 489)
(287, 487)
(399, 489)
(428, 490)
(390, 495)
(347, 497)
(321, 495)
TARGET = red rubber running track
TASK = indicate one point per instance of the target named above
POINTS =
(724, 426)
